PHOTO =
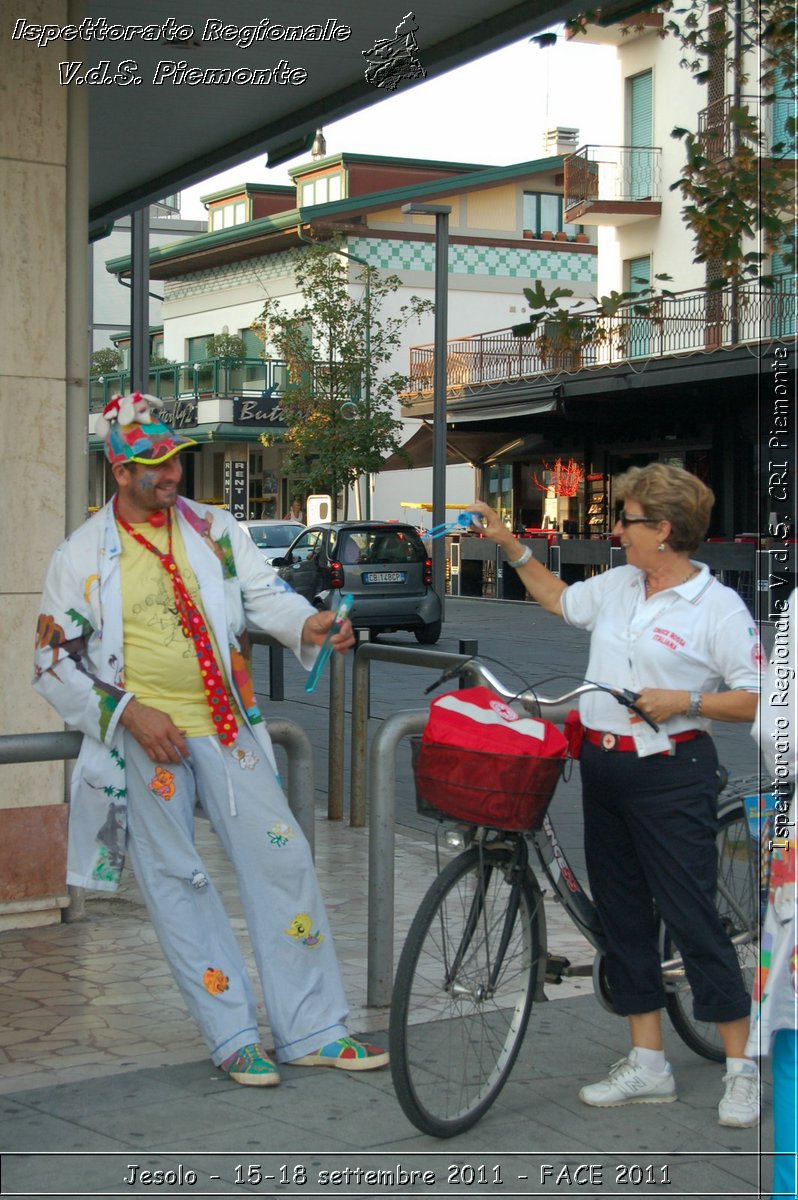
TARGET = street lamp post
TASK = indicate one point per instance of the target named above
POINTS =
(441, 213)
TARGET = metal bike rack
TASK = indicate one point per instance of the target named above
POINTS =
(382, 843)
(382, 832)
(47, 747)
(414, 657)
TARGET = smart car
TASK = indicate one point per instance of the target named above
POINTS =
(384, 565)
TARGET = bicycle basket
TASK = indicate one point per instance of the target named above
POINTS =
(479, 762)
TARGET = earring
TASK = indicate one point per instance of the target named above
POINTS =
(661, 547)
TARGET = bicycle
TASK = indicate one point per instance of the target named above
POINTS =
(476, 954)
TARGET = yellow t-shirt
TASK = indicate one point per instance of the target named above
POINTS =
(161, 667)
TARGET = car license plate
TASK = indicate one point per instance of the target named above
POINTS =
(384, 577)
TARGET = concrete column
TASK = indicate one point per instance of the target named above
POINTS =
(33, 244)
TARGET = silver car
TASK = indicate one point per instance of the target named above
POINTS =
(272, 537)
(384, 565)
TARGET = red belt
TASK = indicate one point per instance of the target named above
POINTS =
(622, 741)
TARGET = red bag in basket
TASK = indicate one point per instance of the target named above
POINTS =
(482, 762)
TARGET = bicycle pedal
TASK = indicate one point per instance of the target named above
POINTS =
(556, 966)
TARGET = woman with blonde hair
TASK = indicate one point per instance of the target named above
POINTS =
(664, 627)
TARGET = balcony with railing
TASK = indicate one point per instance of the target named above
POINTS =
(211, 378)
(685, 323)
(612, 185)
(730, 121)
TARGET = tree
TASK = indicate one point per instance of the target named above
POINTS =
(739, 199)
(739, 191)
(339, 402)
(109, 361)
(226, 345)
(106, 361)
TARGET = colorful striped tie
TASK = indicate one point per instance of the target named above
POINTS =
(194, 626)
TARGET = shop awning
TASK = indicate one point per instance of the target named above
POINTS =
(461, 447)
(518, 449)
(223, 432)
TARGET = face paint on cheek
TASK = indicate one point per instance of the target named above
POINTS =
(147, 481)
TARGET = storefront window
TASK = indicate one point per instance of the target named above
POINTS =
(499, 487)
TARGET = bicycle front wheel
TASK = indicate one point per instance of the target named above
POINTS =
(737, 902)
(464, 989)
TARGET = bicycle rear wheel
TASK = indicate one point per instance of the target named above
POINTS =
(737, 901)
(461, 1006)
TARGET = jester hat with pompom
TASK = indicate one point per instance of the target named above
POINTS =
(133, 434)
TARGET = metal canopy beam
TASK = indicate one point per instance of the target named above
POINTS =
(167, 132)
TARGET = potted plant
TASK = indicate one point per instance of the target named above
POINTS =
(226, 345)
(559, 345)
(569, 335)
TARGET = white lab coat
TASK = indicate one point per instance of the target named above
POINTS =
(80, 669)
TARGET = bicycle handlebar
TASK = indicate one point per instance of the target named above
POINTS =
(532, 701)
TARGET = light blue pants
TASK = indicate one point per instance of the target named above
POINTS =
(785, 1117)
(238, 790)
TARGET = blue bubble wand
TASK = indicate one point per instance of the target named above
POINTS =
(465, 520)
(344, 609)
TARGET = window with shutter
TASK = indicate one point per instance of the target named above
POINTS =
(641, 133)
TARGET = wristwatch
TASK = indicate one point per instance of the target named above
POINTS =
(520, 562)
(694, 707)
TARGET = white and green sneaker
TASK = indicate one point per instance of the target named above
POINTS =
(629, 1082)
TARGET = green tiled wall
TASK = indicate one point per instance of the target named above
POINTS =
(396, 255)
(499, 261)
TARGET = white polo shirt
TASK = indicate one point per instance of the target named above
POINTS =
(692, 637)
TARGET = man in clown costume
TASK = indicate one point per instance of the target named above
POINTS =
(141, 644)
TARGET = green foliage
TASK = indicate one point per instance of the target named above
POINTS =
(738, 205)
(339, 403)
(226, 345)
(588, 322)
(109, 361)
(106, 361)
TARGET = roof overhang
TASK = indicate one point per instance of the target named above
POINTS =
(462, 446)
(150, 138)
(281, 230)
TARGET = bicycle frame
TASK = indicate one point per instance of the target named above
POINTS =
(575, 901)
(476, 956)
(552, 858)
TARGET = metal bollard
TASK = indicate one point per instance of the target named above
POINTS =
(276, 662)
(335, 741)
(468, 646)
(49, 747)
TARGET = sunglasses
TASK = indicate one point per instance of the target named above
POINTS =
(625, 519)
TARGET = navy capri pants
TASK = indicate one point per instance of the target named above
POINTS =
(650, 828)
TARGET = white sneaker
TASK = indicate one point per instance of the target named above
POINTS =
(741, 1100)
(629, 1082)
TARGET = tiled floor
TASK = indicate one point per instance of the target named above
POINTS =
(94, 997)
